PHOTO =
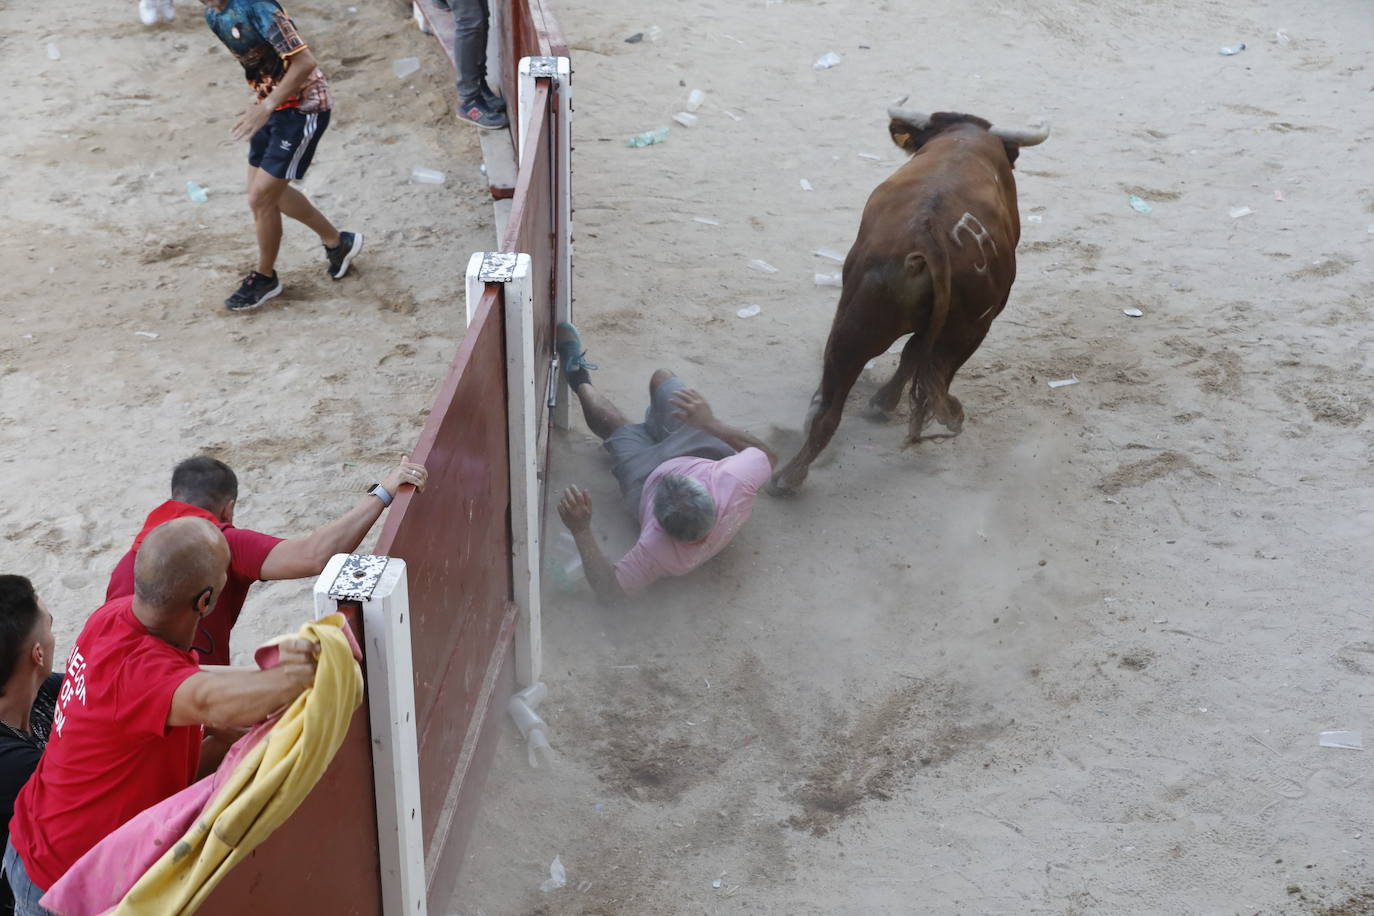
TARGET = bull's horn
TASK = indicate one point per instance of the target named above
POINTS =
(910, 115)
(1031, 136)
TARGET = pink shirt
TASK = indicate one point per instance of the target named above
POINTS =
(732, 483)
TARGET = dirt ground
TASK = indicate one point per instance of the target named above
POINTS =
(1075, 661)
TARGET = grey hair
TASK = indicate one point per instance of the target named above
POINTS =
(684, 508)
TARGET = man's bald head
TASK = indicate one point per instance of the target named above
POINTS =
(177, 561)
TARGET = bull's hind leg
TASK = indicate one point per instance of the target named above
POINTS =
(827, 406)
(881, 405)
(930, 397)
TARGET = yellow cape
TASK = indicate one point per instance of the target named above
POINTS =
(268, 784)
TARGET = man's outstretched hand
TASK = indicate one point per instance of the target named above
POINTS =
(575, 508)
(250, 121)
(691, 408)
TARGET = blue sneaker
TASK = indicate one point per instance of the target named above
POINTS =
(571, 357)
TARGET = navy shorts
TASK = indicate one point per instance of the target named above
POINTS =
(285, 145)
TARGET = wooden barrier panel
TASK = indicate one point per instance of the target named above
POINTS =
(324, 858)
(455, 541)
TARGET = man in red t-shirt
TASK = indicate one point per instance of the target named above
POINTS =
(205, 488)
(128, 728)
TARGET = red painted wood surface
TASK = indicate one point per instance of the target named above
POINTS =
(324, 858)
(455, 540)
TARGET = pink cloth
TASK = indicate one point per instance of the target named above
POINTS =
(732, 482)
(98, 881)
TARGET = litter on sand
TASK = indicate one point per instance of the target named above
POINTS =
(151, 335)
(694, 99)
(831, 254)
(870, 156)
(650, 137)
(806, 185)
(1060, 383)
(762, 266)
(1132, 313)
(422, 175)
(1278, 195)
(1139, 205)
(405, 66)
(1347, 740)
(685, 118)
(1238, 212)
(829, 280)
(1035, 218)
(197, 193)
(1234, 49)
(826, 61)
(558, 876)
(705, 221)
(749, 311)
(53, 53)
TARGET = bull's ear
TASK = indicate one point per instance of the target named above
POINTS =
(1013, 150)
(903, 134)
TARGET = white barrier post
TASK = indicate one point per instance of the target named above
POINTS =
(558, 71)
(475, 286)
(522, 414)
(378, 584)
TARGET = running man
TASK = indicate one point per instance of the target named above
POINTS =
(283, 128)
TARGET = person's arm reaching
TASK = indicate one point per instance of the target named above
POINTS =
(690, 407)
(243, 697)
(300, 558)
(252, 118)
(575, 508)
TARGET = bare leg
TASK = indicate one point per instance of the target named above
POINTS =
(827, 406)
(297, 206)
(603, 417)
(881, 405)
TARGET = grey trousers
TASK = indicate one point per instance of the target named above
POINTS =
(470, 19)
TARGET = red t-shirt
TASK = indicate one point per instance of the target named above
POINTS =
(247, 551)
(111, 753)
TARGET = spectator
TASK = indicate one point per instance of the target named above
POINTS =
(282, 128)
(476, 102)
(689, 478)
(28, 696)
(128, 729)
(206, 488)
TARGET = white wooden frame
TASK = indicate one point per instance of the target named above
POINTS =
(378, 584)
(558, 71)
(523, 432)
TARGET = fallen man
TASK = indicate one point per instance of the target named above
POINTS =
(687, 477)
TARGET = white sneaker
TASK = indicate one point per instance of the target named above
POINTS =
(147, 11)
(167, 9)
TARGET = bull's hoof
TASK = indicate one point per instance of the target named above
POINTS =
(877, 413)
(780, 490)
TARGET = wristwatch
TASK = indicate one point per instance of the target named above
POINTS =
(380, 492)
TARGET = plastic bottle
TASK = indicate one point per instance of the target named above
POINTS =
(422, 175)
(532, 728)
(686, 119)
(694, 99)
(650, 137)
(196, 192)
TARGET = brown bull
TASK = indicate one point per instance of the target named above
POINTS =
(935, 258)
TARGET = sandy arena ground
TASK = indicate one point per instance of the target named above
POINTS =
(1075, 661)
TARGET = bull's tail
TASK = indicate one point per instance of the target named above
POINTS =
(930, 385)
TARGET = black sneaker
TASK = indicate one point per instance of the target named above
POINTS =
(342, 254)
(571, 356)
(253, 292)
(478, 112)
(494, 101)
